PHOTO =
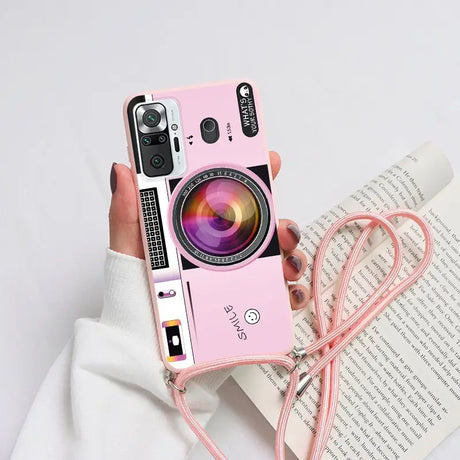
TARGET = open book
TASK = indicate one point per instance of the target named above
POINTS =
(400, 378)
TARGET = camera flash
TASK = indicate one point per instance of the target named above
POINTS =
(174, 127)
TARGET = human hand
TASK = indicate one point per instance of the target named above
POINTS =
(125, 234)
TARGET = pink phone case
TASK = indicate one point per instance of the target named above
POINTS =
(209, 226)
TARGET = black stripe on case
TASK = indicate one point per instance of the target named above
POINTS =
(154, 229)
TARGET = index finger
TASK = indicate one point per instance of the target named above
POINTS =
(275, 162)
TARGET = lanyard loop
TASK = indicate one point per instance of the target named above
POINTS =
(334, 337)
(298, 354)
(281, 360)
(329, 362)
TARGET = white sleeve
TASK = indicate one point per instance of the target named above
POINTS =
(105, 395)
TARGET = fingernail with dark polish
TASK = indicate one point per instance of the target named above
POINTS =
(298, 295)
(295, 262)
(113, 178)
(295, 231)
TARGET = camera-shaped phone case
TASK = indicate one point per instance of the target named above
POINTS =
(201, 166)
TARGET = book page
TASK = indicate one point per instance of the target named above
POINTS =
(410, 183)
(400, 378)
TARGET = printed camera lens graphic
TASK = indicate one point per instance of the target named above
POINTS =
(222, 214)
(221, 217)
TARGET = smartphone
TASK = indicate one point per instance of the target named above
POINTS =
(201, 166)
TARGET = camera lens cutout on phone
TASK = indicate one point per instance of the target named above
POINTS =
(151, 118)
(154, 139)
(146, 140)
(162, 138)
(157, 161)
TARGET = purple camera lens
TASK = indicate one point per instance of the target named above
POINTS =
(221, 216)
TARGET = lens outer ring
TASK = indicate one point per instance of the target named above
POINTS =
(146, 137)
(149, 125)
(165, 138)
(162, 161)
(141, 109)
(221, 263)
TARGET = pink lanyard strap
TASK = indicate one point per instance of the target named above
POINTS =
(331, 342)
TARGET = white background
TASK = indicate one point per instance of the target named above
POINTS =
(347, 89)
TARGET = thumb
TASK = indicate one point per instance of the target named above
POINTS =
(125, 234)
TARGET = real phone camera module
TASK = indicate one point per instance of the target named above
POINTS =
(154, 145)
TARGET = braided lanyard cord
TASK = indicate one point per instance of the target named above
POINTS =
(331, 342)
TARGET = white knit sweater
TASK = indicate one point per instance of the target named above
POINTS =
(105, 396)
